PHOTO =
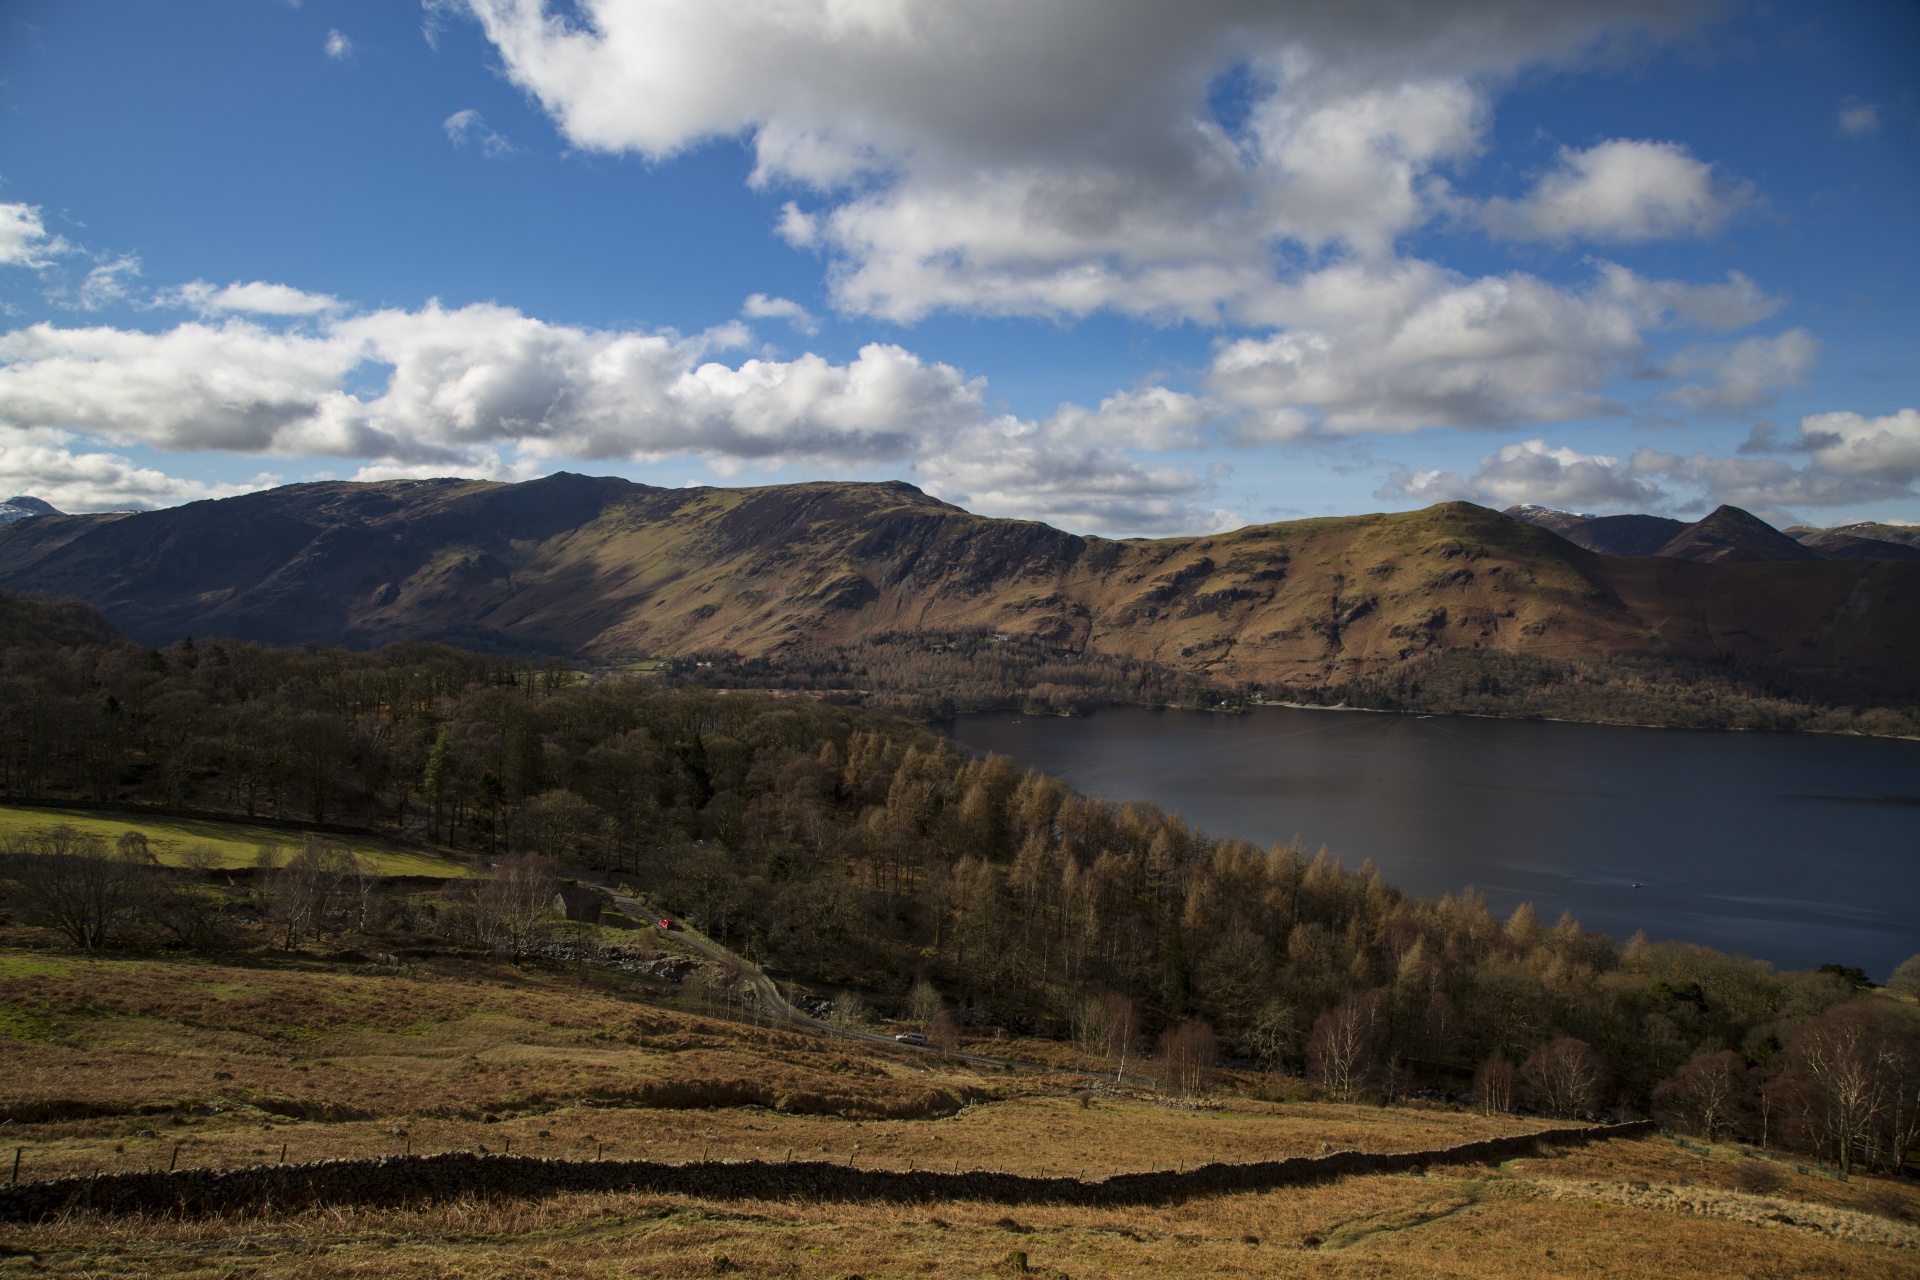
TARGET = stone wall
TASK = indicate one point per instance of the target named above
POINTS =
(413, 1179)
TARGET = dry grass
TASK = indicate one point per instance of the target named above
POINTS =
(425, 1060)
(1490, 1228)
(233, 844)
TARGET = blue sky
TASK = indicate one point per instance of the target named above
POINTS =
(1129, 267)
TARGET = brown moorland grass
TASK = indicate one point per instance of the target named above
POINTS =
(1491, 1226)
(113, 1064)
(466, 1056)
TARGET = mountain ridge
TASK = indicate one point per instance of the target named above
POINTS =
(606, 569)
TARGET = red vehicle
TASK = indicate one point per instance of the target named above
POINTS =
(666, 923)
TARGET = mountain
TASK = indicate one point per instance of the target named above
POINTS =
(1609, 535)
(607, 569)
(1865, 540)
(1729, 535)
(23, 507)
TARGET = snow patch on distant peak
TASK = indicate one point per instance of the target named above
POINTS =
(24, 506)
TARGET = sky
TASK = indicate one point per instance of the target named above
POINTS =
(1132, 267)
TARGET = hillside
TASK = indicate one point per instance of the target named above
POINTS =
(610, 570)
(225, 1066)
(1728, 535)
(1865, 540)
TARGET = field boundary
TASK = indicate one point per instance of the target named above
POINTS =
(392, 1180)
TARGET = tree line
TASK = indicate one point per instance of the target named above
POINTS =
(848, 848)
(1669, 692)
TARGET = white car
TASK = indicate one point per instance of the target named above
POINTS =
(911, 1037)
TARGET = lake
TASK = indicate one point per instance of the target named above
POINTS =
(1800, 849)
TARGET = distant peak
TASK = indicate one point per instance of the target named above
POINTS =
(24, 507)
(1524, 510)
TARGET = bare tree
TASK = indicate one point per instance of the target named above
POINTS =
(68, 881)
(1851, 1082)
(1188, 1055)
(849, 1010)
(1564, 1076)
(943, 1031)
(1704, 1094)
(322, 889)
(1275, 1034)
(1123, 1030)
(1906, 977)
(1493, 1085)
(508, 906)
(189, 913)
(1091, 1026)
(1343, 1052)
(923, 1001)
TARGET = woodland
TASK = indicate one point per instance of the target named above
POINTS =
(855, 850)
(933, 676)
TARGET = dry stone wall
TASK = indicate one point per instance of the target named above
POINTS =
(414, 1179)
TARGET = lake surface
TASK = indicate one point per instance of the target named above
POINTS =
(1800, 849)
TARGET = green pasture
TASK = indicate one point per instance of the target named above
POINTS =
(234, 844)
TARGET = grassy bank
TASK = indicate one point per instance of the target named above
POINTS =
(229, 844)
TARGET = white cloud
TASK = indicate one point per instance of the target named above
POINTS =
(484, 388)
(1859, 118)
(1620, 190)
(1669, 303)
(24, 241)
(1852, 459)
(1413, 346)
(468, 125)
(42, 463)
(338, 46)
(1403, 345)
(759, 306)
(107, 283)
(1885, 449)
(254, 297)
(1054, 159)
(1532, 472)
(1744, 374)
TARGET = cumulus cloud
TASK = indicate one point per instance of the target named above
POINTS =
(1004, 158)
(1055, 159)
(1620, 190)
(1670, 303)
(44, 464)
(1743, 374)
(1532, 472)
(1403, 345)
(468, 125)
(24, 241)
(759, 306)
(338, 46)
(254, 297)
(1852, 459)
(1884, 449)
(485, 387)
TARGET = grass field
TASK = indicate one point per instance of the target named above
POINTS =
(234, 844)
(138, 1063)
